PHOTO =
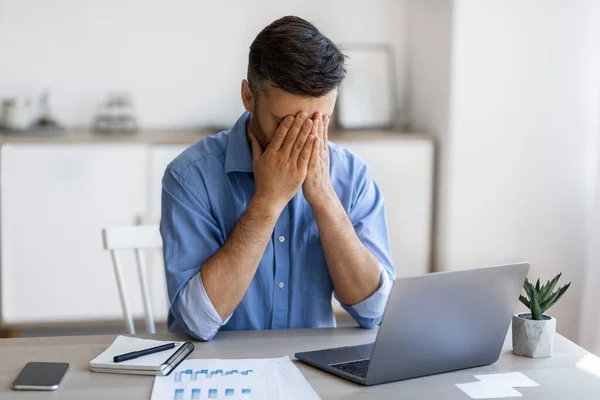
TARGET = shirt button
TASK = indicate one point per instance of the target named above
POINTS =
(281, 239)
(280, 285)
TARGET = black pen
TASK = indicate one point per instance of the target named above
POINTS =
(139, 353)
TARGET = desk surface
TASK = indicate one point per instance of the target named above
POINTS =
(559, 376)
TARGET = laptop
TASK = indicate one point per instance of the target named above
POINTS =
(434, 323)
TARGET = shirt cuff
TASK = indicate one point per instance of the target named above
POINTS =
(374, 305)
(197, 310)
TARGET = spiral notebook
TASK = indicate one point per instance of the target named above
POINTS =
(161, 363)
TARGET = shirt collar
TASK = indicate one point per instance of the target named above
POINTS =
(239, 156)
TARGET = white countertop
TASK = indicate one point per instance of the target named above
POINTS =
(180, 136)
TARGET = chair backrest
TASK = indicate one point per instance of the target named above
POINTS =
(134, 238)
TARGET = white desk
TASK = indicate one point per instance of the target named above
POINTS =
(558, 376)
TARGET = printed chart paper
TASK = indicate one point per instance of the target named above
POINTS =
(271, 379)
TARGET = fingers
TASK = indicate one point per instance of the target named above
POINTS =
(298, 127)
(301, 139)
(325, 134)
(321, 120)
(315, 129)
(314, 156)
(256, 149)
(307, 151)
(281, 133)
(319, 131)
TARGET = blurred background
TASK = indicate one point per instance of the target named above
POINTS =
(480, 121)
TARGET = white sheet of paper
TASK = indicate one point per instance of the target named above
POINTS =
(271, 379)
(512, 379)
(488, 390)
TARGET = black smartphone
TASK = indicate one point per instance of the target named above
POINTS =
(40, 376)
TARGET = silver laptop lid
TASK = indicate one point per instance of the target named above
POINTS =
(445, 321)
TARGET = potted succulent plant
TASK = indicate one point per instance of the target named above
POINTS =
(533, 332)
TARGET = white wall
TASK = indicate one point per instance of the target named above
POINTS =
(523, 114)
(429, 51)
(183, 61)
(510, 90)
(589, 334)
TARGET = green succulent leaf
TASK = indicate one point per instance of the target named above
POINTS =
(528, 289)
(541, 297)
(546, 304)
(559, 294)
(536, 311)
(524, 301)
(547, 291)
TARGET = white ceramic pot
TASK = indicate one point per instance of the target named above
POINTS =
(534, 339)
(16, 113)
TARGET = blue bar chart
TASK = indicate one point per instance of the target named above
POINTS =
(195, 393)
(210, 381)
(194, 375)
(233, 379)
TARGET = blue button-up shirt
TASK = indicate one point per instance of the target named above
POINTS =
(206, 190)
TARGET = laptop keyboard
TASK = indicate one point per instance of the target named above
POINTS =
(358, 368)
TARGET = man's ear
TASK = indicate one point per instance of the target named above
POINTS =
(247, 96)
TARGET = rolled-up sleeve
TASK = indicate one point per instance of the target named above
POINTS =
(197, 311)
(368, 312)
(369, 220)
(190, 236)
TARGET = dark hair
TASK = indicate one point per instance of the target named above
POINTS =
(293, 55)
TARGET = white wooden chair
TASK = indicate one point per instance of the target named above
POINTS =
(136, 238)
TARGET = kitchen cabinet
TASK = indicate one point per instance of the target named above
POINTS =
(55, 201)
(56, 196)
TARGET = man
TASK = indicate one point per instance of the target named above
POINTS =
(262, 223)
